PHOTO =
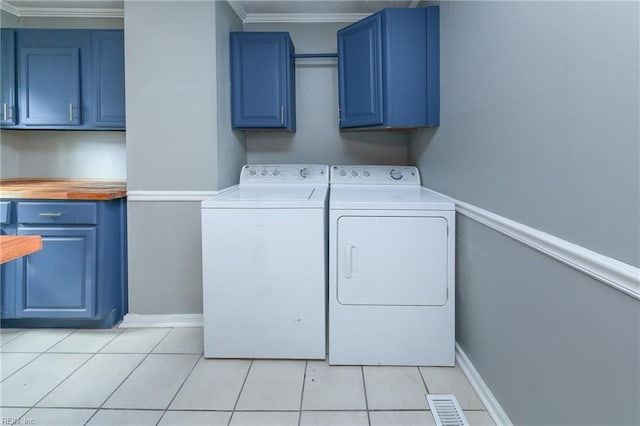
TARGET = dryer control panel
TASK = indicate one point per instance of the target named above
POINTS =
(284, 173)
(375, 175)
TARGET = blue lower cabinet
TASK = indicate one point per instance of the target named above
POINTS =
(59, 280)
(78, 279)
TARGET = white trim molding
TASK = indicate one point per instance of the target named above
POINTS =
(173, 195)
(161, 320)
(169, 195)
(237, 7)
(261, 18)
(619, 275)
(62, 12)
(486, 396)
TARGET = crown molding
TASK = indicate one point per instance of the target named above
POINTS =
(295, 18)
(237, 7)
(9, 8)
(61, 12)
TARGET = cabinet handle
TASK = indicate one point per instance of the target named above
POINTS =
(281, 114)
(4, 112)
(50, 214)
(70, 112)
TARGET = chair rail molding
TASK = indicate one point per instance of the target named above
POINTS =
(612, 272)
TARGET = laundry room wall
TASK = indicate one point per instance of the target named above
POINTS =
(318, 139)
(540, 126)
(178, 152)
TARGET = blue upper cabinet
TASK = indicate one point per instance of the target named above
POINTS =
(50, 86)
(63, 79)
(360, 73)
(108, 79)
(262, 81)
(51, 80)
(389, 71)
(8, 74)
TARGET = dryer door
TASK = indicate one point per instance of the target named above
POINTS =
(392, 261)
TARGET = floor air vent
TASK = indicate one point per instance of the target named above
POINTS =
(446, 411)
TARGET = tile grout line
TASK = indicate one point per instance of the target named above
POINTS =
(128, 375)
(304, 382)
(20, 333)
(36, 357)
(61, 382)
(233, 410)
(366, 400)
(180, 387)
(424, 382)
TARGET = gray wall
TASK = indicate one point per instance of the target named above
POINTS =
(82, 154)
(174, 143)
(171, 103)
(317, 139)
(540, 125)
(231, 146)
(540, 118)
(55, 154)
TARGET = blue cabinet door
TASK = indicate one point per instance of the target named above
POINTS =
(50, 86)
(262, 81)
(108, 79)
(360, 73)
(59, 280)
(388, 70)
(7, 77)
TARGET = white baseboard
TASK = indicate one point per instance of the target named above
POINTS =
(161, 320)
(486, 396)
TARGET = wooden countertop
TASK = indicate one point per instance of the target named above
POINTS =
(63, 189)
(15, 246)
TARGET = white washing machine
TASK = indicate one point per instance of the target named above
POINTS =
(391, 269)
(264, 264)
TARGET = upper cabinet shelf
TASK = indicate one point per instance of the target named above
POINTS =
(262, 81)
(388, 70)
(63, 79)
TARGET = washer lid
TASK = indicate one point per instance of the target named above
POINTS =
(270, 196)
(368, 197)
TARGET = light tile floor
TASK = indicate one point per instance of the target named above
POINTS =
(158, 376)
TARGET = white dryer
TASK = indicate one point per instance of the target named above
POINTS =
(391, 269)
(264, 264)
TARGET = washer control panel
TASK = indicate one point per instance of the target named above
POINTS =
(284, 173)
(375, 175)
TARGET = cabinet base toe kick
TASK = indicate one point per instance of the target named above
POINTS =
(107, 321)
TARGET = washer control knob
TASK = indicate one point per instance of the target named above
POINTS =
(354, 173)
(265, 172)
(252, 172)
(276, 172)
(396, 174)
(366, 173)
(343, 172)
(304, 172)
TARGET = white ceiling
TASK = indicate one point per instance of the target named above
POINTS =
(248, 11)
